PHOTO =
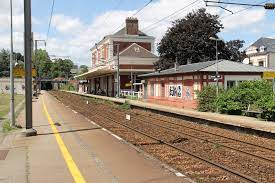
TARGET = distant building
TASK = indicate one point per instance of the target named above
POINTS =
(136, 56)
(177, 86)
(262, 53)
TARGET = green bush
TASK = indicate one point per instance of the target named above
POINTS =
(207, 99)
(267, 104)
(228, 102)
(68, 87)
(255, 93)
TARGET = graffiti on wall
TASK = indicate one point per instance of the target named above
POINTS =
(188, 94)
(175, 90)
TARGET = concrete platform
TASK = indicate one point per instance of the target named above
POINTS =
(91, 152)
(243, 123)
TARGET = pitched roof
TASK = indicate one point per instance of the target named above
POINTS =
(135, 50)
(122, 32)
(210, 66)
(266, 42)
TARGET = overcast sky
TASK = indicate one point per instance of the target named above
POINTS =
(78, 24)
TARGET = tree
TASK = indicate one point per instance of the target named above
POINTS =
(234, 47)
(83, 69)
(188, 40)
(62, 68)
(4, 63)
(44, 63)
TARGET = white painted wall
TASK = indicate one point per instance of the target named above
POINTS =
(240, 78)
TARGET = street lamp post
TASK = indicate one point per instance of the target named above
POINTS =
(12, 116)
(36, 64)
(217, 73)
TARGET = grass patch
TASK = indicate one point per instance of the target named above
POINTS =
(5, 103)
(6, 126)
(125, 106)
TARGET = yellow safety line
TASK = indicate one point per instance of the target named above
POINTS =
(75, 172)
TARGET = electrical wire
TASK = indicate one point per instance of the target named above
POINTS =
(244, 9)
(169, 16)
(142, 8)
(138, 11)
(50, 22)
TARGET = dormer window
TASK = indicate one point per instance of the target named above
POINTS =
(137, 49)
(262, 49)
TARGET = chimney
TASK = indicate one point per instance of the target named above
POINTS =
(131, 26)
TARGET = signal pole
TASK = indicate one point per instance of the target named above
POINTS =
(12, 117)
(36, 65)
(29, 131)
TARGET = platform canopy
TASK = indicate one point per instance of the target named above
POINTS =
(106, 69)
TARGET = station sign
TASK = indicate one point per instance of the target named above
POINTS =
(20, 72)
(269, 74)
(215, 76)
(128, 84)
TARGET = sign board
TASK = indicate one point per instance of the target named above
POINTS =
(128, 117)
(20, 72)
(128, 84)
(269, 74)
(215, 76)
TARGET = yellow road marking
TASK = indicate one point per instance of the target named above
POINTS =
(75, 172)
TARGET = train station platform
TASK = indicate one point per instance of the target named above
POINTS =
(70, 148)
(240, 123)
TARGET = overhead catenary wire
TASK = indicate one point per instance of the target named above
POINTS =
(244, 9)
(149, 27)
(50, 21)
(137, 12)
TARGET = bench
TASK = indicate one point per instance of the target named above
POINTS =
(252, 111)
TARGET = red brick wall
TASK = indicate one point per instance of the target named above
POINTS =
(124, 45)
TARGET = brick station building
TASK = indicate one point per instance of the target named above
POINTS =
(177, 86)
(136, 56)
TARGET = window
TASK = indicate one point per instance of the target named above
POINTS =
(231, 84)
(261, 63)
(152, 89)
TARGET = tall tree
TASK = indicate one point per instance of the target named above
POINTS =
(4, 63)
(234, 47)
(62, 68)
(44, 64)
(188, 40)
(83, 69)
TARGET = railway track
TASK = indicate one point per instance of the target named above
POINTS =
(100, 113)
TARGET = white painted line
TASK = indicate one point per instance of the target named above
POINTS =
(117, 137)
(178, 174)
(74, 111)
(104, 129)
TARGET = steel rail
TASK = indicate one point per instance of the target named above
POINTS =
(224, 168)
(206, 132)
(269, 160)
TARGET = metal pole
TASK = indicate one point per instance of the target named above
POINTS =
(12, 116)
(35, 62)
(28, 67)
(217, 79)
(118, 75)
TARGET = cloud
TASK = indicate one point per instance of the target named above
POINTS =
(66, 24)
(242, 19)
(73, 37)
